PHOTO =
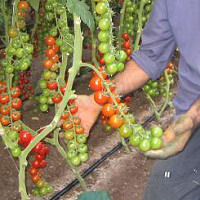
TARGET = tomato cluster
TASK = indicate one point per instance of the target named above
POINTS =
(157, 87)
(131, 16)
(145, 140)
(113, 60)
(127, 44)
(22, 80)
(73, 133)
(9, 105)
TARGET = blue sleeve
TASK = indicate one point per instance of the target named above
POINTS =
(158, 42)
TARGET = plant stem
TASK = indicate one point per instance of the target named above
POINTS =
(167, 93)
(157, 114)
(35, 25)
(68, 95)
(122, 14)
(3, 9)
(139, 31)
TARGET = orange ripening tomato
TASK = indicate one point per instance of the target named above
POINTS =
(108, 110)
(115, 121)
(23, 5)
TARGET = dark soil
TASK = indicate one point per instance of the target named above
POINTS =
(124, 176)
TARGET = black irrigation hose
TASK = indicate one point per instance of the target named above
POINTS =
(96, 164)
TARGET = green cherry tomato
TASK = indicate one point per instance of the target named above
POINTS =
(145, 145)
(44, 107)
(76, 161)
(103, 36)
(28, 48)
(43, 99)
(104, 47)
(46, 92)
(13, 135)
(156, 143)
(81, 139)
(109, 58)
(71, 154)
(71, 145)
(42, 84)
(104, 24)
(157, 131)
(82, 148)
(50, 101)
(59, 42)
(43, 191)
(101, 8)
(9, 69)
(134, 140)
(84, 157)
(19, 52)
(35, 192)
(46, 75)
(16, 151)
(121, 56)
(120, 67)
(111, 69)
(125, 130)
(49, 189)
(138, 129)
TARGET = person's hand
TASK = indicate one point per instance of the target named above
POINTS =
(88, 111)
(175, 138)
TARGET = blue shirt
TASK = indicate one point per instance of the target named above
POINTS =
(173, 23)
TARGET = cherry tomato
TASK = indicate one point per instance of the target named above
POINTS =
(4, 98)
(134, 140)
(104, 24)
(33, 171)
(108, 110)
(43, 164)
(76, 161)
(52, 85)
(15, 92)
(81, 139)
(100, 98)
(65, 116)
(69, 135)
(157, 131)
(156, 143)
(4, 109)
(145, 145)
(115, 121)
(67, 125)
(125, 131)
(50, 53)
(48, 63)
(16, 103)
(79, 130)
(23, 5)
(57, 98)
(101, 8)
(5, 120)
(125, 36)
(13, 135)
(16, 151)
(25, 137)
(73, 109)
(83, 157)
(95, 83)
(50, 40)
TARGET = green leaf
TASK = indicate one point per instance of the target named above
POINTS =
(34, 4)
(81, 9)
(97, 195)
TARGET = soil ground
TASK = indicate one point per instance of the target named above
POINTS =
(124, 176)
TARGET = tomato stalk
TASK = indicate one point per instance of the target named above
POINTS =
(158, 113)
(139, 30)
(5, 16)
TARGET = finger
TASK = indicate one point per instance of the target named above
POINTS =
(183, 124)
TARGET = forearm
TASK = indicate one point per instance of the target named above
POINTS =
(132, 78)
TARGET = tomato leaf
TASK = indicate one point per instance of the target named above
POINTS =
(81, 9)
(97, 195)
(34, 4)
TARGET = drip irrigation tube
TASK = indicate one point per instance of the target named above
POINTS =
(95, 165)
